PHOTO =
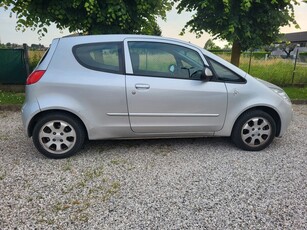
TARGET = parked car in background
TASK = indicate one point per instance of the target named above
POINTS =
(135, 86)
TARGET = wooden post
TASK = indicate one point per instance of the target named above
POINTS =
(26, 58)
(250, 61)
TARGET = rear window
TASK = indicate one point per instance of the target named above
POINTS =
(44, 56)
(106, 57)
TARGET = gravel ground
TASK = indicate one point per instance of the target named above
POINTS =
(158, 184)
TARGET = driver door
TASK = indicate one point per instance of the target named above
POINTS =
(165, 93)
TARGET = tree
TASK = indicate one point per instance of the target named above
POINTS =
(269, 48)
(245, 23)
(210, 45)
(287, 47)
(90, 16)
(227, 46)
(37, 47)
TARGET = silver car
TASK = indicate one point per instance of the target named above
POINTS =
(134, 86)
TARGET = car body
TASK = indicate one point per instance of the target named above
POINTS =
(136, 86)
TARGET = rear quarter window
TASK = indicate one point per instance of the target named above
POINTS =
(106, 57)
(44, 56)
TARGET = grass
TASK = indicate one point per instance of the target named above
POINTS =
(67, 166)
(10, 98)
(276, 71)
(163, 150)
(34, 57)
(296, 93)
(2, 175)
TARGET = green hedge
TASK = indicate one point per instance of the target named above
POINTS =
(220, 51)
(303, 54)
(256, 55)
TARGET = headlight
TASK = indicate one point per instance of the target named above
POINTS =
(282, 94)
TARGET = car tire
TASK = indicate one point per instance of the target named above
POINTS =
(254, 130)
(58, 135)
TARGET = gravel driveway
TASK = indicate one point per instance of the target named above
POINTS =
(158, 184)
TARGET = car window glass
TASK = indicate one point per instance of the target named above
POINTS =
(99, 56)
(44, 56)
(223, 73)
(164, 60)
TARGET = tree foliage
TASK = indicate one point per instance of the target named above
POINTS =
(90, 16)
(245, 23)
(210, 45)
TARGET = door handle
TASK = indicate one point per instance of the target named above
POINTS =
(142, 86)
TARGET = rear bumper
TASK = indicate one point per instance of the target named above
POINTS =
(28, 111)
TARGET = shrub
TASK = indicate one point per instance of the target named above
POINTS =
(34, 58)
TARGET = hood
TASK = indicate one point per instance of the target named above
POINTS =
(268, 84)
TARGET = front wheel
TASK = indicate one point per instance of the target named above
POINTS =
(58, 135)
(254, 131)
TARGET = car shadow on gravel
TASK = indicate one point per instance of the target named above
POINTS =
(155, 146)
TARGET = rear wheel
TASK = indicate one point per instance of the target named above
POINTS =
(254, 130)
(58, 135)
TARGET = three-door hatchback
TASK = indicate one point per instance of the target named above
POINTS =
(134, 86)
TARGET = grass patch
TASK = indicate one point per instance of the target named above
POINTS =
(115, 186)
(10, 98)
(296, 93)
(34, 58)
(276, 71)
(163, 150)
(4, 138)
(67, 166)
(2, 176)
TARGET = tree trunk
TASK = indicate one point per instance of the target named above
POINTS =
(235, 53)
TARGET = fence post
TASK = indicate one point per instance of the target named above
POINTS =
(26, 57)
(250, 61)
(294, 69)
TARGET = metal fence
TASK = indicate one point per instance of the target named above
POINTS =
(13, 66)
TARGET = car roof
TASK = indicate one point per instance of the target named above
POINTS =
(121, 37)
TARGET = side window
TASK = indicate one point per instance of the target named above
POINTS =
(223, 73)
(193, 56)
(100, 56)
(164, 60)
(44, 56)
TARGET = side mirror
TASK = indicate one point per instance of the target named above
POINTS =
(172, 68)
(206, 74)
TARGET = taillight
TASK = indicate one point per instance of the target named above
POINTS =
(35, 76)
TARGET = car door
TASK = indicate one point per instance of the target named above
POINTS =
(165, 93)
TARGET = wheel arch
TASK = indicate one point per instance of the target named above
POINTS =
(269, 111)
(44, 113)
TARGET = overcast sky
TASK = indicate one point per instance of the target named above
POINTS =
(170, 28)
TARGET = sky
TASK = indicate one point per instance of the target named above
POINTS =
(170, 28)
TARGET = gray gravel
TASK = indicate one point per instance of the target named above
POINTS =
(158, 184)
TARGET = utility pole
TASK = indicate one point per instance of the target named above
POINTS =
(295, 62)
